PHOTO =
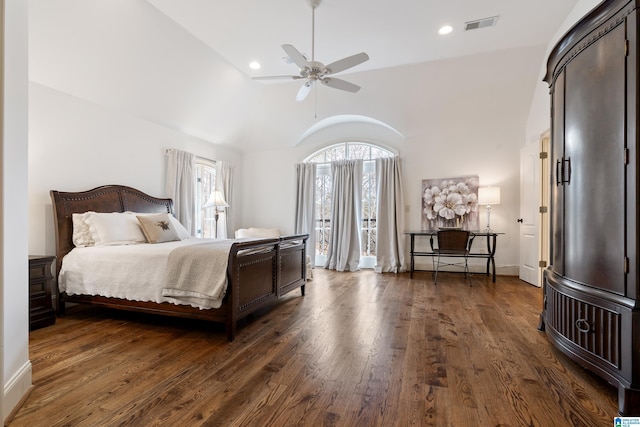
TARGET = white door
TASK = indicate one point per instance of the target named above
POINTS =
(529, 212)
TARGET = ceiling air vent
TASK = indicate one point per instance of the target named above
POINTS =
(480, 23)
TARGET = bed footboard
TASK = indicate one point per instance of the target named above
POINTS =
(257, 278)
(253, 280)
(292, 263)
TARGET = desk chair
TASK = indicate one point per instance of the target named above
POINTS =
(452, 243)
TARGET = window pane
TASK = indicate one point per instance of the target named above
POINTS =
(369, 207)
(323, 213)
(359, 151)
(318, 158)
(205, 184)
(372, 238)
(379, 152)
(337, 152)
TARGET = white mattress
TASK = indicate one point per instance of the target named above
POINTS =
(132, 272)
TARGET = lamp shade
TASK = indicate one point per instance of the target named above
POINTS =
(489, 195)
(216, 200)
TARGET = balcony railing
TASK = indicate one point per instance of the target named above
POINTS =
(368, 230)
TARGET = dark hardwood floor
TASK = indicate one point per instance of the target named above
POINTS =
(360, 349)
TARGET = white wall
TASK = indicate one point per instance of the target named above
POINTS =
(15, 282)
(76, 145)
(128, 56)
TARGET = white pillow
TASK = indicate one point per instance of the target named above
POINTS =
(81, 235)
(158, 228)
(116, 228)
(183, 233)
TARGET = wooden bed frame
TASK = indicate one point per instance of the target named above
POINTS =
(256, 277)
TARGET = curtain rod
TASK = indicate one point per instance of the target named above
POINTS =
(168, 150)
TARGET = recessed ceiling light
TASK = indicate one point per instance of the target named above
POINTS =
(446, 29)
(255, 65)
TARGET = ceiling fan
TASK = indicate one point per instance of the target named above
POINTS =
(314, 71)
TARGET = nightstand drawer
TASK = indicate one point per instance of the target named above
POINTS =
(41, 291)
(39, 270)
(38, 303)
(37, 290)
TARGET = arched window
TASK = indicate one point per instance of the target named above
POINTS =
(346, 151)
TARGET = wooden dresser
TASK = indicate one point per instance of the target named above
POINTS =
(591, 288)
(41, 286)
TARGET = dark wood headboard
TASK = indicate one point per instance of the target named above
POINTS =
(107, 198)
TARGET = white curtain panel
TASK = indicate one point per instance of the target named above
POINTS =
(179, 186)
(390, 239)
(224, 183)
(305, 204)
(346, 207)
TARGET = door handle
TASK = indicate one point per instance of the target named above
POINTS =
(567, 170)
(563, 171)
(520, 220)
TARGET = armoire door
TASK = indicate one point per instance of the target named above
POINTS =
(557, 188)
(593, 165)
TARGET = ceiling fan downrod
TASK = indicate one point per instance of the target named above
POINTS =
(314, 5)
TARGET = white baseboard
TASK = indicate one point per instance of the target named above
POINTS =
(508, 270)
(16, 390)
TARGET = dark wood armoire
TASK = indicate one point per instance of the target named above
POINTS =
(591, 286)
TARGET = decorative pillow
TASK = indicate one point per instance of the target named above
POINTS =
(182, 231)
(81, 236)
(258, 233)
(158, 228)
(116, 228)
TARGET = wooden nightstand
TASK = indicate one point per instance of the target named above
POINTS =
(41, 283)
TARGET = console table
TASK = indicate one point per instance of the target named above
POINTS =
(491, 238)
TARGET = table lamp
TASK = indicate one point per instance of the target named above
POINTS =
(489, 196)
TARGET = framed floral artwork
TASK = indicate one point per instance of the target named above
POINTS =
(450, 203)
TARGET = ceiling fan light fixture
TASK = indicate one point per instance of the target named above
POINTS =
(314, 71)
(445, 29)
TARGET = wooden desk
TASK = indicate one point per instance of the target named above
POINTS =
(491, 238)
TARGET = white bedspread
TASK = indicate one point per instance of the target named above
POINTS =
(133, 272)
(197, 274)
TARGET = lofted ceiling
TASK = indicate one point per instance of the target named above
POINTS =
(184, 64)
(392, 33)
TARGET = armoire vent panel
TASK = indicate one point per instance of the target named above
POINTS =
(592, 328)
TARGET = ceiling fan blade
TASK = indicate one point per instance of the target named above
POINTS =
(277, 77)
(296, 56)
(346, 63)
(304, 90)
(340, 84)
